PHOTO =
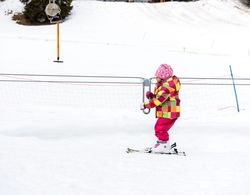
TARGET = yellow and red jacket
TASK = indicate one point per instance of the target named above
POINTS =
(166, 99)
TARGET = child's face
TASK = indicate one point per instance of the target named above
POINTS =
(159, 80)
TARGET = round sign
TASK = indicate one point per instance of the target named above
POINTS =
(52, 9)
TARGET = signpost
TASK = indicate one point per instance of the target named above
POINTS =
(52, 11)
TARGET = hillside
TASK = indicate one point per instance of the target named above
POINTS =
(70, 138)
(218, 28)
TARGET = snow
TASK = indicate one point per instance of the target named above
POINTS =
(68, 138)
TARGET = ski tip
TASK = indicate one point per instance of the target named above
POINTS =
(182, 153)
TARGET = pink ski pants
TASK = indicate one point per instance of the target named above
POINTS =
(162, 127)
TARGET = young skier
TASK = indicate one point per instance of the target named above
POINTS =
(167, 103)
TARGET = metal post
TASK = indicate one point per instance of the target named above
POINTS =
(235, 92)
(146, 83)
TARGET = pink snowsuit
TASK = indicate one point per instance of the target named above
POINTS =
(162, 127)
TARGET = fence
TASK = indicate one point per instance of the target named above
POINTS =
(86, 93)
(113, 92)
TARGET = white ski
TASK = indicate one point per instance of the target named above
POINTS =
(173, 151)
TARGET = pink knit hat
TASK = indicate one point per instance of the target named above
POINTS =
(164, 71)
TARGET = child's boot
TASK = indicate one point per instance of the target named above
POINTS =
(161, 147)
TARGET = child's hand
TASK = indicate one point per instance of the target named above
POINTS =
(149, 95)
(142, 106)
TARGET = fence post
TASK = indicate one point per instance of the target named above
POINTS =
(146, 83)
(235, 92)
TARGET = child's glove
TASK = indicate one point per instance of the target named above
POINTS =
(149, 95)
(142, 106)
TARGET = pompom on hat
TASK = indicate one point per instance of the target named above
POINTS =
(164, 71)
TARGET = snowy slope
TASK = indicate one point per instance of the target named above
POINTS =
(71, 138)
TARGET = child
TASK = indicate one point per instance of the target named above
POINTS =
(167, 103)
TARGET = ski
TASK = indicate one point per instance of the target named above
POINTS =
(174, 152)
(148, 151)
